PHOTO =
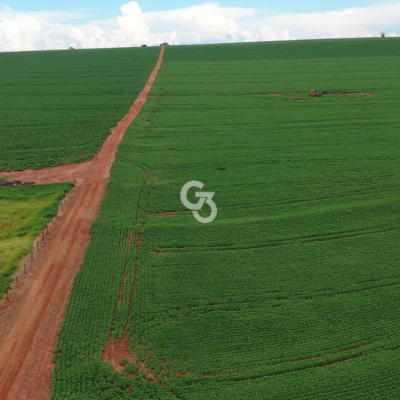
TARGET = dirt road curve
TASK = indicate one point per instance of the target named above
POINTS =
(31, 318)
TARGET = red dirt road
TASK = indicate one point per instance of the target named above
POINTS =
(31, 318)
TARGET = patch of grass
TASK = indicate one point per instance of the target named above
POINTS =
(24, 212)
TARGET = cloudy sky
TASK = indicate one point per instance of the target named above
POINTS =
(45, 24)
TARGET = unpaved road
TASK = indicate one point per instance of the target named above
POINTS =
(31, 318)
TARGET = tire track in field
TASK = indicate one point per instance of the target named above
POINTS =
(26, 347)
(321, 360)
(117, 348)
(291, 241)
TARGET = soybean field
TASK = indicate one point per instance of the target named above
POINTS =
(293, 291)
(57, 107)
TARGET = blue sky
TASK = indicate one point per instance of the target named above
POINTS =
(49, 24)
(109, 9)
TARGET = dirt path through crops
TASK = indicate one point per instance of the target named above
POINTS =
(31, 318)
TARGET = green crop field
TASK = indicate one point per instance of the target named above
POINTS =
(24, 213)
(293, 291)
(57, 107)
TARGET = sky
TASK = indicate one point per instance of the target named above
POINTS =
(47, 25)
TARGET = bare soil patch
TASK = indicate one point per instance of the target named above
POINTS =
(327, 93)
(118, 349)
(31, 317)
(350, 93)
(166, 214)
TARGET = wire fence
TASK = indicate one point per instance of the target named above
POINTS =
(42, 241)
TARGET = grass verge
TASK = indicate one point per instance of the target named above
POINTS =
(24, 212)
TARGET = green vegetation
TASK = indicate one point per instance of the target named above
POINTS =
(292, 292)
(24, 212)
(57, 107)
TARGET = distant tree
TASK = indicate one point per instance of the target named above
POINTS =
(383, 34)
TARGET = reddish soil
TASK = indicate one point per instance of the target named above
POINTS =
(324, 92)
(166, 214)
(117, 349)
(130, 237)
(349, 93)
(31, 317)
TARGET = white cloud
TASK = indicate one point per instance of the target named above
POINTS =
(207, 17)
(204, 23)
(353, 22)
(25, 32)
(196, 24)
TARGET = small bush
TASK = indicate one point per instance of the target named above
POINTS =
(123, 361)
